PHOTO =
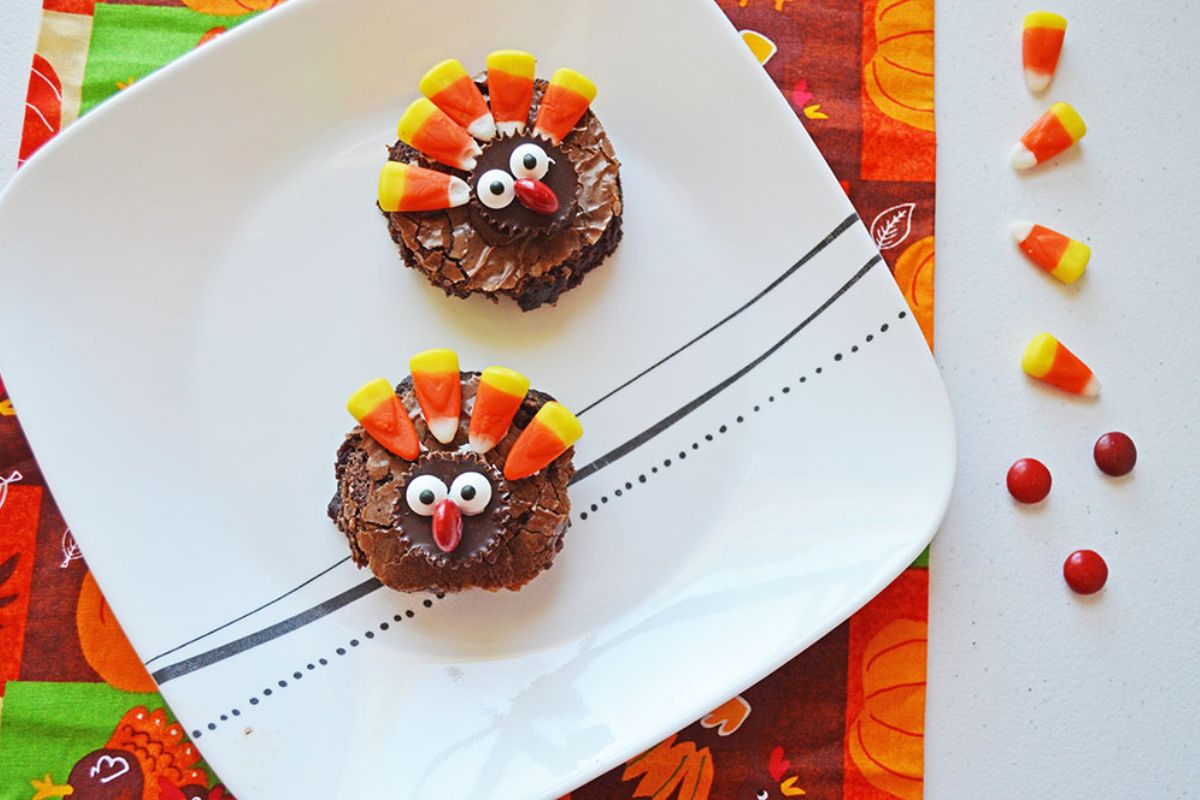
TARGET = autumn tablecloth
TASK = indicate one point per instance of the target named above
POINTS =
(845, 719)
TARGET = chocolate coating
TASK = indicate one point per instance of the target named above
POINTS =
(515, 220)
(458, 249)
(516, 537)
(480, 531)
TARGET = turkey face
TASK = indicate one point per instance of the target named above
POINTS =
(106, 775)
(523, 186)
(454, 506)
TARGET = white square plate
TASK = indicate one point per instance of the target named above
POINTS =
(195, 276)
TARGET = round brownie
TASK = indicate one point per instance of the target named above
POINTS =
(504, 545)
(473, 250)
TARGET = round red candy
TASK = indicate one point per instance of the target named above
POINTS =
(1085, 571)
(1115, 454)
(1029, 481)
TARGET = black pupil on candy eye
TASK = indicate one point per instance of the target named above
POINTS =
(530, 161)
(468, 493)
(497, 187)
(426, 497)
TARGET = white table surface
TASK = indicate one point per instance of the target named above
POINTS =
(1034, 692)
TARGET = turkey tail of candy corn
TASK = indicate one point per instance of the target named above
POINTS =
(1055, 131)
(547, 436)
(1061, 256)
(377, 407)
(510, 88)
(427, 128)
(565, 101)
(500, 394)
(438, 387)
(1041, 44)
(1047, 359)
(404, 187)
(451, 89)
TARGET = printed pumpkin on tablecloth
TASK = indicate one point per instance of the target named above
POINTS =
(887, 739)
(898, 77)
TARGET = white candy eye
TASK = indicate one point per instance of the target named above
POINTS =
(472, 491)
(424, 493)
(529, 161)
(763, 795)
(495, 188)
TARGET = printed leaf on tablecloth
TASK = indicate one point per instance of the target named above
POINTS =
(892, 225)
(43, 108)
(668, 767)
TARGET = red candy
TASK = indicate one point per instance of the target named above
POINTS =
(447, 525)
(1085, 571)
(1028, 481)
(536, 196)
(1115, 454)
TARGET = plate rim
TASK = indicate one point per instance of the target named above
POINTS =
(31, 170)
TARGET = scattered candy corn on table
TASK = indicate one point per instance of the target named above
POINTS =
(1035, 691)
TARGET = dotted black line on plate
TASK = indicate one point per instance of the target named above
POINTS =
(312, 666)
(723, 429)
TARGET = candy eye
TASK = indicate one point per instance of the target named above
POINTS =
(529, 161)
(763, 795)
(495, 188)
(424, 493)
(472, 491)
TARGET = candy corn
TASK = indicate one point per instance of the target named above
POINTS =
(379, 410)
(547, 436)
(1041, 44)
(566, 99)
(510, 88)
(1061, 256)
(1054, 132)
(500, 394)
(451, 89)
(439, 391)
(1047, 359)
(427, 128)
(403, 187)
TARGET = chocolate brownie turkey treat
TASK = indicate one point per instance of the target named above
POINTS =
(505, 184)
(455, 480)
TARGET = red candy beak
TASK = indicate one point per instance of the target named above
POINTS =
(536, 196)
(447, 525)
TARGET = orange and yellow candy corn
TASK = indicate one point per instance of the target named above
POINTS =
(1061, 256)
(547, 436)
(378, 409)
(427, 128)
(501, 392)
(510, 88)
(1047, 359)
(565, 101)
(1041, 44)
(403, 187)
(451, 89)
(438, 388)
(1055, 131)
